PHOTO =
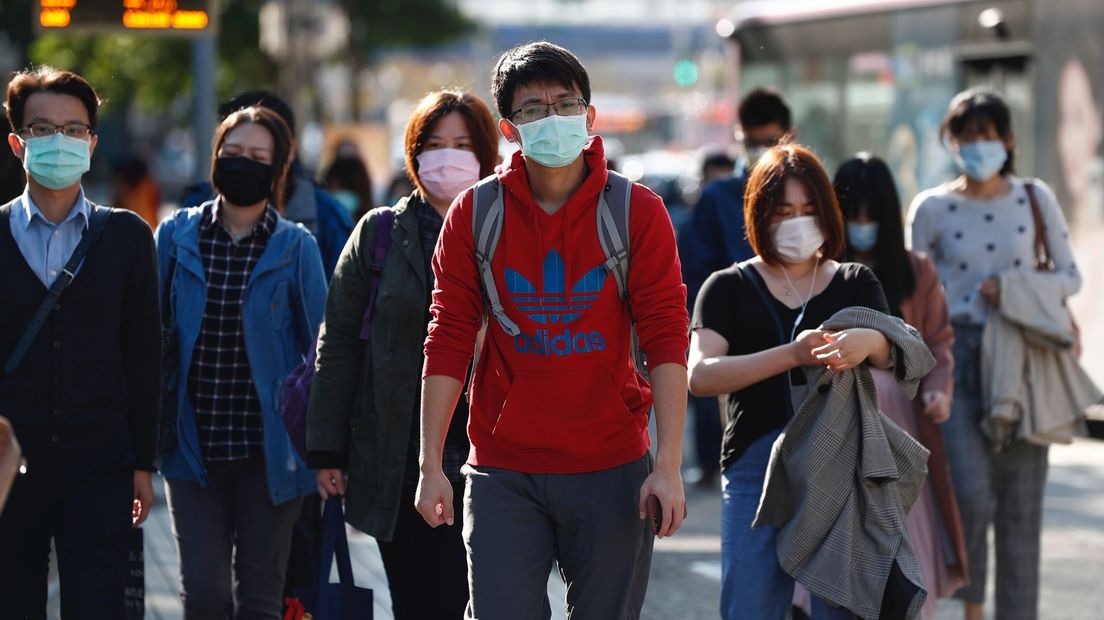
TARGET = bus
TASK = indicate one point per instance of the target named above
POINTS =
(877, 75)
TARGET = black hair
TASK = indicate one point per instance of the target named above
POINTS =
(764, 106)
(131, 169)
(980, 108)
(865, 183)
(263, 98)
(717, 160)
(538, 61)
(46, 79)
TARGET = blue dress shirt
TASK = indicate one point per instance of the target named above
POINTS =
(47, 246)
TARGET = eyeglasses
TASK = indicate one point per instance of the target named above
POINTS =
(572, 106)
(45, 130)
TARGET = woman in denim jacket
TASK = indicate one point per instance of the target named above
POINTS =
(246, 296)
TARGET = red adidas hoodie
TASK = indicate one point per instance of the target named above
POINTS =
(562, 397)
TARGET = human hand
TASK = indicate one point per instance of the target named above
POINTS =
(937, 406)
(802, 348)
(331, 483)
(143, 497)
(848, 348)
(665, 483)
(10, 456)
(990, 290)
(433, 499)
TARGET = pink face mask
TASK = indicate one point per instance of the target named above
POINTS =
(447, 172)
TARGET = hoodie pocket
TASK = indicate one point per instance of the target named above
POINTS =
(576, 413)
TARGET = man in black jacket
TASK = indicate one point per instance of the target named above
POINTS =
(83, 400)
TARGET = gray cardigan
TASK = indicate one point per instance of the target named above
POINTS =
(361, 408)
(841, 480)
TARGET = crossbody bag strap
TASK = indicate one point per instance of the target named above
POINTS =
(752, 276)
(95, 227)
(1044, 261)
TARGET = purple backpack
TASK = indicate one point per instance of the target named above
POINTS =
(296, 394)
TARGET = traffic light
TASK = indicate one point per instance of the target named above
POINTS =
(686, 73)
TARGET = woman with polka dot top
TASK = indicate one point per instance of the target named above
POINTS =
(974, 228)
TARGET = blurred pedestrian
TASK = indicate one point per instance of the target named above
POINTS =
(716, 166)
(450, 144)
(135, 190)
(80, 338)
(348, 182)
(714, 238)
(303, 201)
(876, 238)
(978, 228)
(399, 188)
(796, 228)
(246, 292)
(559, 468)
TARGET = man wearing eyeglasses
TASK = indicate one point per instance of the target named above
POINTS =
(560, 468)
(80, 344)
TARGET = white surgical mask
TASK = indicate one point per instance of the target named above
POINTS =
(797, 239)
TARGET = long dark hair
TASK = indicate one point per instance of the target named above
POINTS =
(865, 184)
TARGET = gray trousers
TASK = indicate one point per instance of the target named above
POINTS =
(1005, 490)
(231, 528)
(516, 524)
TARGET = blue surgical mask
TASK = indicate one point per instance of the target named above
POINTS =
(862, 237)
(57, 161)
(349, 200)
(554, 141)
(981, 160)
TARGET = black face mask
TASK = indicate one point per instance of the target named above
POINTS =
(243, 181)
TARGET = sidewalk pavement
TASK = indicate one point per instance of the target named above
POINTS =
(685, 582)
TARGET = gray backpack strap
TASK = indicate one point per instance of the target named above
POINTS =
(486, 230)
(613, 233)
(613, 229)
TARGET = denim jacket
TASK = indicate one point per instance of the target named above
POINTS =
(283, 306)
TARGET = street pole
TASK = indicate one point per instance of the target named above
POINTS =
(205, 104)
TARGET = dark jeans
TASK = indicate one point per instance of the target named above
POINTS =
(427, 568)
(89, 521)
(306, 546)
(707, 433)
(231, 526)
(517, 524)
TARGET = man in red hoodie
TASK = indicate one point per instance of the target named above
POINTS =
(560, 467)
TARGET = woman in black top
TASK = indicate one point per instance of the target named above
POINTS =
(754, 327)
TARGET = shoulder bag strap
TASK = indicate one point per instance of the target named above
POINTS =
(96, 224)
(380, 246)
(1043, 259)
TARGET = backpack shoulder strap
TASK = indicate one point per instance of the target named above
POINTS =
(1043, 259)
(613, 228)
(381, 244)
(487, 215)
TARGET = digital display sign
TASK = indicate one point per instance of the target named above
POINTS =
(167, 16)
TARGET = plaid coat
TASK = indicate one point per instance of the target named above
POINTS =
(841, 480)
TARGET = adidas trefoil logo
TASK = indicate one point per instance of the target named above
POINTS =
(554, 305)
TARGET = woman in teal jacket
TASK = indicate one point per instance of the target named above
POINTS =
(246, 293)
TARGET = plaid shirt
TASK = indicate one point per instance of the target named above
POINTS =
(228, 411)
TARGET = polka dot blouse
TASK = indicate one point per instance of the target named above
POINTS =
(973, 240)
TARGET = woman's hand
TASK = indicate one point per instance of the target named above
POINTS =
(331, 482)
(805, 345)
(990, 291)
(848, 348)
(937, 406)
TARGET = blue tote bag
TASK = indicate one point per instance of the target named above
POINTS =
(342, 600)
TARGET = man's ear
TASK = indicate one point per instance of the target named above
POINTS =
(16, 146)
(92, 144)
(592, 115)
(509, 131)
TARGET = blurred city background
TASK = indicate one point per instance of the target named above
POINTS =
(860, 75)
